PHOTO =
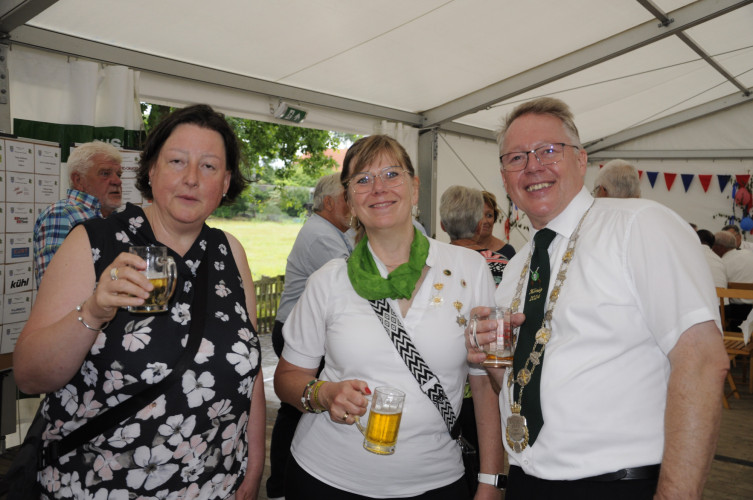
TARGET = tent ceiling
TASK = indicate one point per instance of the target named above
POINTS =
(460, 65)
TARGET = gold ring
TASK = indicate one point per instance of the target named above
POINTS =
(114, 273)
(345, 416)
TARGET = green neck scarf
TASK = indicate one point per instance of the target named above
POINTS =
(399, 284)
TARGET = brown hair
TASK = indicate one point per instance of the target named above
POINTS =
(367, 150)
(491, 200)
(202, 116)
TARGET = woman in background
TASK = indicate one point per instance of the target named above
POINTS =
(460, 212)
(203, 438)
(484, 232)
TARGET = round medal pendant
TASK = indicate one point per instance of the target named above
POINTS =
(516, 432)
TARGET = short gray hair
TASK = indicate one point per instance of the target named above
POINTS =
(82, 157)
(329, 185)
(542, 106)
(620, 179)
(460, 210)
(725, 239)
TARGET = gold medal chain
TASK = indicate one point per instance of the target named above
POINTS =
(544, 333)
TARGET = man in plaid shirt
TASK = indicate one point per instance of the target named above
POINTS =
(95, 191)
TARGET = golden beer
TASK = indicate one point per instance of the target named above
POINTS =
(497, 360)
(162, 273)
(381, 432)
(158, 296)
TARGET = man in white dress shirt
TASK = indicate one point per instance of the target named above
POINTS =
(737, 233)
(738, 265)
(630, 353)
(718, 272)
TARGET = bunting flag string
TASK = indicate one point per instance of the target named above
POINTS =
(723, 180)
(686, 180)
(669, 179)
(705, 179)
(652, 177)
(705, 182)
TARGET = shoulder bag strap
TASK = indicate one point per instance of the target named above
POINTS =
(130, 406)
(426, 379)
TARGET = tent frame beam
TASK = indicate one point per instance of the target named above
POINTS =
(684, 18)
(667, 122)
(680, 154)
(666, 21)
(110, 54)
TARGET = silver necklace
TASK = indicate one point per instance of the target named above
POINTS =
(516, 431)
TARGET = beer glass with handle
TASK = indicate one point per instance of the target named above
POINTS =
(162, 272)
(380, 434)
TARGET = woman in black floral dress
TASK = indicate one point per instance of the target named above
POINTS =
(204, 437)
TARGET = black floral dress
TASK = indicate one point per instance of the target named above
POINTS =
(191, 441)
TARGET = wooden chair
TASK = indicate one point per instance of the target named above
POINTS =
(738, 285)
(733, 341)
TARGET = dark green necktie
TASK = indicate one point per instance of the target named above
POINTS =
(538, 286)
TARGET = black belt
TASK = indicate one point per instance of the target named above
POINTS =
(645, 472)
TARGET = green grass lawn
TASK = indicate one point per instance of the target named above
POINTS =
(267, 243)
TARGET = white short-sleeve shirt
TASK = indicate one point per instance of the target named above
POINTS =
(330, 320)
(637, 282)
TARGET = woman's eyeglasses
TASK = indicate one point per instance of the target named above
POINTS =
(362, 182)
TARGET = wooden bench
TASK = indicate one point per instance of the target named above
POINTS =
(268, 293)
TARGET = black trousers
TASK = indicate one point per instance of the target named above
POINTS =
(521, 486)
(300, 485)
(279, 448)
(282, 432)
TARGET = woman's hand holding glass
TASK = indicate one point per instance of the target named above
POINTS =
(345, 400)
(121, 284)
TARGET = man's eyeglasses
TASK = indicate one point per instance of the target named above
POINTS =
(546, 155)
(363, 182)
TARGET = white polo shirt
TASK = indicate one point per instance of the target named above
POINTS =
(330, 320)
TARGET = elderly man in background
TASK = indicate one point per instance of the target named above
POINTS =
(738, 264)
(96, 191)
(734, 229)
(616, 386)
(321, 239)
(617, 179)
(716, 265)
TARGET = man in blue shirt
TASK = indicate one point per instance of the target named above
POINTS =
(95, 191)
(321, 239)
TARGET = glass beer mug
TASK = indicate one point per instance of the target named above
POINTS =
(380, 433)
(162, 272)
(499, 353)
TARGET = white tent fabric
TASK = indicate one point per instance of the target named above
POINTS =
(666, 83)
(50, 88)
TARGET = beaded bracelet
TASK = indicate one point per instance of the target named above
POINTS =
(315, 397)
(81, 319)
(306, 396)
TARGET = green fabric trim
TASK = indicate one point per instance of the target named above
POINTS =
(399, 284)
(66, 135)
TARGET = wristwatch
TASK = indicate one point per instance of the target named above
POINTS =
(499, 481)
